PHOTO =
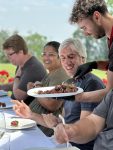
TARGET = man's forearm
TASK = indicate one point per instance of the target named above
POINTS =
(93, 96)
(16, 83)
(82, 131)
(38, 118)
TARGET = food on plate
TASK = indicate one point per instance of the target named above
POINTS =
(2, 104)
(63, 88)
(14, 123)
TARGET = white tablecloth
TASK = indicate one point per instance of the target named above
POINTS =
(27, 138)
(31, 137)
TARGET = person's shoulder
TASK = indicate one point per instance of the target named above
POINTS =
(34, 62)
(91, 76)
(34, 59)
(60, 73)
(93, 81)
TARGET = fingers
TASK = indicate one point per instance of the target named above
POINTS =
(37, 84)
(22, 102)
(30, 85)
(60, 134)
(17, 102)
(18, 105)
(16, 108)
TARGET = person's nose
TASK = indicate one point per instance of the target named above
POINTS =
(46, 57)
(67, 62)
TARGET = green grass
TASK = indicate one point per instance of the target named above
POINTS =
(100, 74)
(8, 67)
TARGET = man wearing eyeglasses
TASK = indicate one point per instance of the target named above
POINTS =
(29, 69)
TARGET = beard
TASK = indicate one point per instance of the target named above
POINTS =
(99, 31)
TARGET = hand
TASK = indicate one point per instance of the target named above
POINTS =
(50, 120)
(38, 84)
(84, 69)
(22, 109)
(60, 134)
(30, 85)
(64, 133)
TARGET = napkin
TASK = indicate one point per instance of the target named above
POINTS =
(3, 93)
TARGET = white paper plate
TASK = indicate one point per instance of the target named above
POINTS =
(33, 92)
(7, 101)
(23, 123)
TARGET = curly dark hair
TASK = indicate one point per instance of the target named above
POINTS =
(86, 8)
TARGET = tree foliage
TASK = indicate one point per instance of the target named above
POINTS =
(36, 43)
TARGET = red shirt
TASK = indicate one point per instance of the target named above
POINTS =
(110, 56)
(111, 39)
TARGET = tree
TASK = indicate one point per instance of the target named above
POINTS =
(110, 5)
(36, 43)
(3, 35)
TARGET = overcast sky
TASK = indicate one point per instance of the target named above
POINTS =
(46, 17)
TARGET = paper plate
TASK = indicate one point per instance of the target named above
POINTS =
(22, 123)
(33, 92)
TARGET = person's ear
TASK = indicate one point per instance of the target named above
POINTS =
(97, 17)
(83, 60)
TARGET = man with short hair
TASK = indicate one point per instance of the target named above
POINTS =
(29, 69)
(93, 18)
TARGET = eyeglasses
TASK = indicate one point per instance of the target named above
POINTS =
(10, 54)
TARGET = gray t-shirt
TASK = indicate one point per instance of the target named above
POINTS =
(104, 140)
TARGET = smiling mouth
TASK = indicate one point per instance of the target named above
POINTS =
(47, 62)
(69, 68)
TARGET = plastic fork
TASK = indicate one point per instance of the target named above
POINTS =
(63, 121)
